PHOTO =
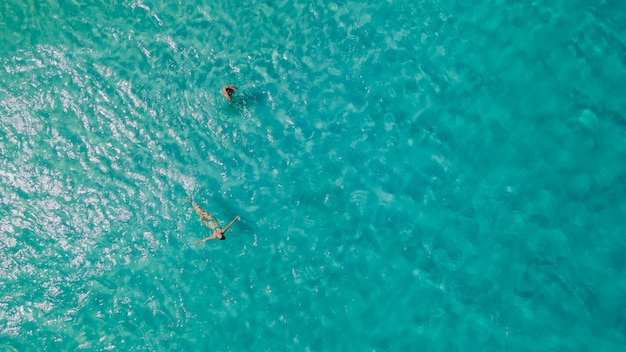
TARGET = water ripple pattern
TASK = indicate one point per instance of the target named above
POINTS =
(408, 173)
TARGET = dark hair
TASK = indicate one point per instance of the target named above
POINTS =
(223, 238)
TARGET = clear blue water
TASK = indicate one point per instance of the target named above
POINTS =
(411, 176)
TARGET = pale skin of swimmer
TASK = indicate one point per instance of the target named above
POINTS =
(228, 90)
(211, 223)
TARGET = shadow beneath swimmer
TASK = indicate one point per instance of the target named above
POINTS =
(244, 100)
(256, 96)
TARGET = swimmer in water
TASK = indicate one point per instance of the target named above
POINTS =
(228, 90)
(211, 223)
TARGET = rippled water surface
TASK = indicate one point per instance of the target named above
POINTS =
(410, 175)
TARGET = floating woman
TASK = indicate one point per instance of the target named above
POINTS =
(211, 223)
(228, 90)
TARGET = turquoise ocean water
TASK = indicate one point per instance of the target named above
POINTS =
(410, 175)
